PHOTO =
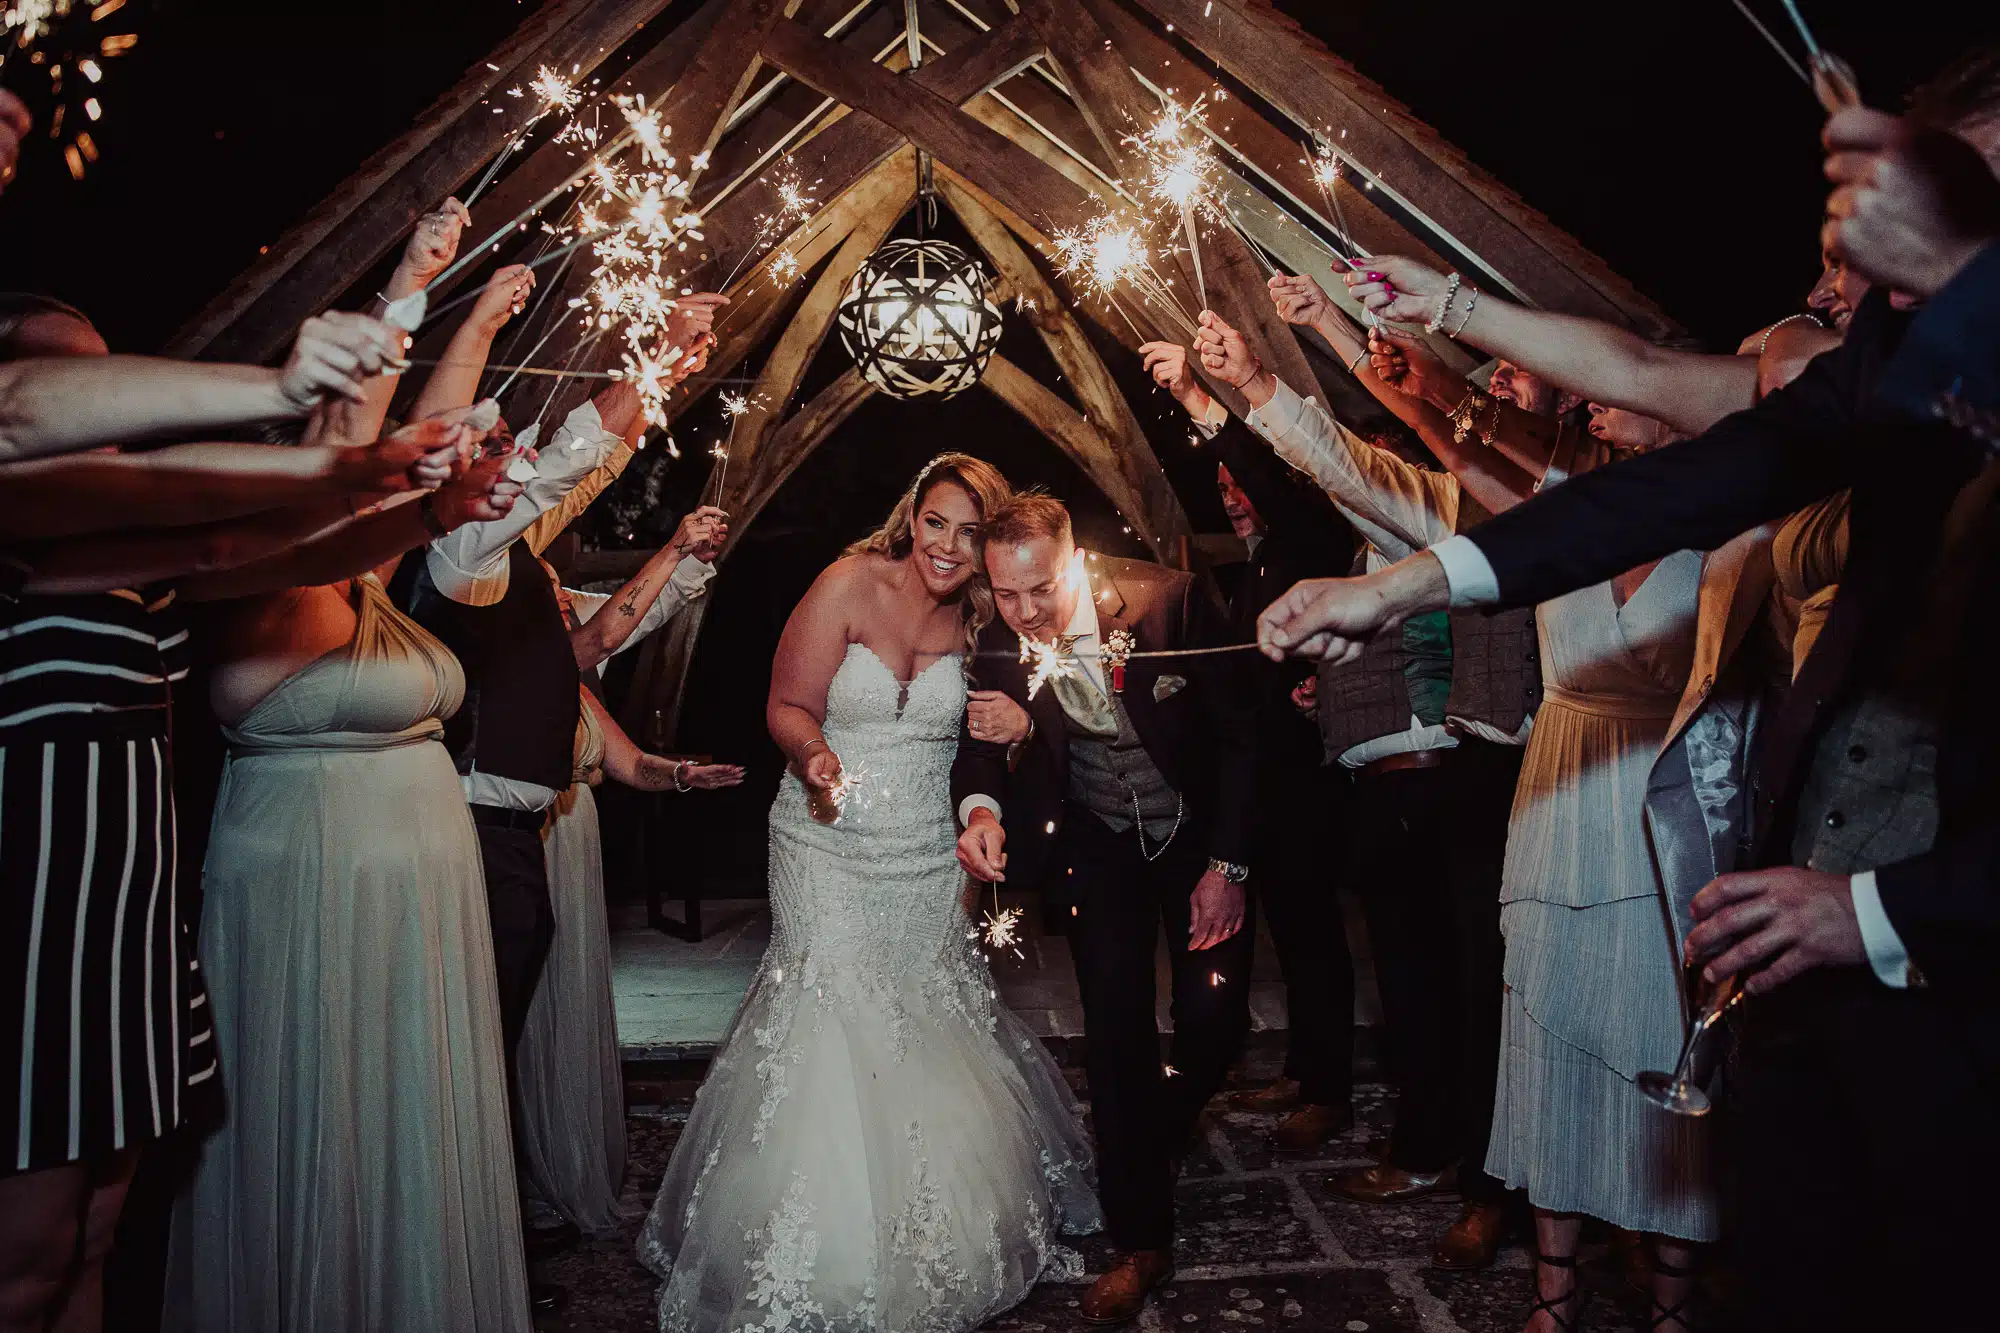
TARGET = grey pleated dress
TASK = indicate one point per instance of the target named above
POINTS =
(1592, 983)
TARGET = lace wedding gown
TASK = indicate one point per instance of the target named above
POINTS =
(880, 1144)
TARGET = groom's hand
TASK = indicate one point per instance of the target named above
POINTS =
(1217, 911)
(982, 848)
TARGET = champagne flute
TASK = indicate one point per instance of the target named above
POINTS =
(1676, 1092)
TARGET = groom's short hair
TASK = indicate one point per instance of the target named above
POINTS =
(1029, 515)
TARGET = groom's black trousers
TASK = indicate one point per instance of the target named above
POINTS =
(1144, 1116)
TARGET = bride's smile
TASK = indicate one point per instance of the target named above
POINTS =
(946, 530)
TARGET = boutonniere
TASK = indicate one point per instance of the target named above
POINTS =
(1117, 647)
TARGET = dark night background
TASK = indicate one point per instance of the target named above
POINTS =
(1666, 136)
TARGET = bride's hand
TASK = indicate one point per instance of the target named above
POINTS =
(821, 769)
(993, 716)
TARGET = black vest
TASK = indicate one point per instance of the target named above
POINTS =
(519, 716)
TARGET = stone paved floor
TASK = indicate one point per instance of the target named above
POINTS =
(1264, 1244)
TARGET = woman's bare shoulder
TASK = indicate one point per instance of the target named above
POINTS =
(853, 576)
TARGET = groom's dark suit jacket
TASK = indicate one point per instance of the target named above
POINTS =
(1201, 735)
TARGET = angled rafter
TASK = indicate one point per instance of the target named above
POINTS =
(373, 209)
(1142, 490)
(1114, 104)
(1270, 55)
(1002, 168)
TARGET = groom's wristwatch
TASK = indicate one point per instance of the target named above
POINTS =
(1229, 870)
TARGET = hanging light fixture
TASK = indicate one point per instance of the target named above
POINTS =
(919, 318)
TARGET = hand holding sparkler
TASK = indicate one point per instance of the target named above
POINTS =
(702, 533)
(1299, 299)
(335, 355)
(1911, 206)
(1225, 355)
(505, 295)
(1401, 361)
(1167, 363)
(434, 244)
(982, 848)
(692, 322)
(1398, 289)
(420, 456)
(482, 495)
(15, 125)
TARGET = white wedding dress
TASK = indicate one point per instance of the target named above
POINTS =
(880, 1144)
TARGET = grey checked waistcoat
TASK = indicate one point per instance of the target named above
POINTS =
(1106, 772)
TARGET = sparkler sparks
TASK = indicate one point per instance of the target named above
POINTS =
(1001, 930)
(1106, 254)
(1050, 663)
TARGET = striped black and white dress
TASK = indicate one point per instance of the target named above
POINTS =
(104, 1021)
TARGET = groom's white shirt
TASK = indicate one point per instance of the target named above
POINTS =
(1083, 629)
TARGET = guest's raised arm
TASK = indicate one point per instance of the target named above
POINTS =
(455, 381)
(62, 404)
(1690, 391)
(678, 573)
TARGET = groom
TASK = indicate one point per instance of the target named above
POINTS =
(1144, 775)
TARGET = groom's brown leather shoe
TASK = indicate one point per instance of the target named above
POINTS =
(1309, 1127)
(1119, 1295)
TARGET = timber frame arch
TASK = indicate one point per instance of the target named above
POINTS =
(1022, 105)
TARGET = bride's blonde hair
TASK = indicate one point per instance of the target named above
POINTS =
(897, 536)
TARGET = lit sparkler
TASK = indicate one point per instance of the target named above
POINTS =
(1325, 166)
(1106, 254)
(734, 406)
(1050, 662)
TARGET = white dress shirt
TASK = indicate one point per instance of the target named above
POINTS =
(469, 564)
(1398, 509)
(1083, 629)
(688, 583)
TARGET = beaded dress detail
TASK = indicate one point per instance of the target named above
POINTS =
(880, 1144)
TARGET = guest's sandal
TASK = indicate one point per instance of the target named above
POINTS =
(1675, 1314)
(1552, 1305)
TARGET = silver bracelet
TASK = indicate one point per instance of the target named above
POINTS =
(1359, 357)
(679, 765)
(1436, 321)
(1471, 300)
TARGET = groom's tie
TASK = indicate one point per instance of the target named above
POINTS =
(1079, 695)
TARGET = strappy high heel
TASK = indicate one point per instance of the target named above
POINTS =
(1677, 1312)
(1550, 1305)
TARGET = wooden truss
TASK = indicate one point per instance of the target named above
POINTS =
(1023, 106)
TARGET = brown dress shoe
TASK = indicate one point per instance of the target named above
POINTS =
(1392, 1184)
(1119, 1295)
(1283, 1095)
(1310, 1127)
(1473, 1240)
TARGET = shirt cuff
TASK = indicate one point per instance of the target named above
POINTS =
(1466, 570)
(1886, 953)
(1212, 420)
(1280, 415)
(976, 801)
(691, 576)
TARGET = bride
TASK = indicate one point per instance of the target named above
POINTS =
(880, 1143)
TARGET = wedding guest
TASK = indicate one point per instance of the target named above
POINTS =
(362, 1177)
(1288, 529)
(673, 578)
(1592, 994)
(481, 591)
(106, 1013)
(1429, 816)
(571, 1132)
(15, 123)
(1865, 940)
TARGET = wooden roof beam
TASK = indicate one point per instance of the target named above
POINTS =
(1270, 55)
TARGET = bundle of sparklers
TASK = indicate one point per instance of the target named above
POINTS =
(629, 211)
